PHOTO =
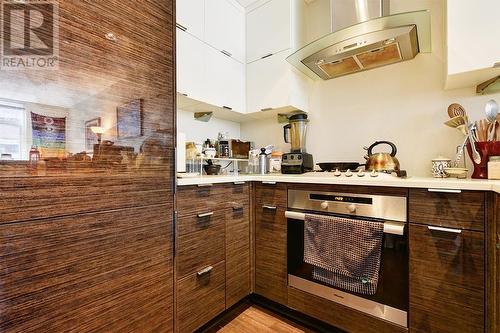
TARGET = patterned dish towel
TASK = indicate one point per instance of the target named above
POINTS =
(345, 253)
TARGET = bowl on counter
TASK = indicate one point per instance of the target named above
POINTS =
(212, 169)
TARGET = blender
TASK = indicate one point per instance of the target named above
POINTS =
(297, 161)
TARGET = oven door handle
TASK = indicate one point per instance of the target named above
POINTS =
(390, 227)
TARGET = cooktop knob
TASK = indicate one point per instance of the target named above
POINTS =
(351, 208)
(324, 205)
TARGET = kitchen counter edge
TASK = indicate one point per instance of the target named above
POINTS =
(411, 182)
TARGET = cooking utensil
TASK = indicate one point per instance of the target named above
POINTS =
(475, 154)
(456, 110)
(482, 130)
(459, 123)
(491, 110)
(341, 166)
(493, 131)
(382, 161)
(460, 153)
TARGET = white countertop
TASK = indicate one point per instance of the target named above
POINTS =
(329, 178)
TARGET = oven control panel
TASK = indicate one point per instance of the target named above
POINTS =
(362, 205)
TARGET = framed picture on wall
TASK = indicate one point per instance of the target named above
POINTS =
(91, 137)
(129, 120)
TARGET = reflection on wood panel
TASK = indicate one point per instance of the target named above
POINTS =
(109, 106)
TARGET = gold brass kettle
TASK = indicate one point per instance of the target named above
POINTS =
(382, 161)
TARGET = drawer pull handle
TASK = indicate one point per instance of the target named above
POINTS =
(180, 26)
(269, 207)
(205, 214)
(239, 183)
(237, 208)
(205, 185)
(224, 52)
(205, 270)
(453, 231)
(269, 183)
(266, 56)
(443, 190)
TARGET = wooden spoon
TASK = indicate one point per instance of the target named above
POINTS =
(456, 110)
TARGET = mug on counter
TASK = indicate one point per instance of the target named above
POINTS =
(438, 166)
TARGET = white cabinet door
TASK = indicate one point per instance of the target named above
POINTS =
(224, 81)
(268, 29)
(191, 16)
(473, 35)
(190, 65)
(273, 83)
(225, 28)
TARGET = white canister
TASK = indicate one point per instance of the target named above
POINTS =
(438, 166)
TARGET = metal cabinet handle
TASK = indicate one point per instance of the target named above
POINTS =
(237, 208)
(205, 214)
(205, 270)
(180, 26)
(269, 207)
(449, 230)
(266, 56)
(266, 109)
(269, 183)
(443, 190)
(226, 53)
(227, 107)
(239, 183)
(205, 185)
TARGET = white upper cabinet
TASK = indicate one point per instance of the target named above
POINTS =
(225, 81)
(191, 17)
(190, 69)
(268, 29)
(273, 84)
(225, 28)
(473, 47)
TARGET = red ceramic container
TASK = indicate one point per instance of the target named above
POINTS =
(485, 150)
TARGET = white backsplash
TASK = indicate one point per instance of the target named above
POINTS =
(404, 103)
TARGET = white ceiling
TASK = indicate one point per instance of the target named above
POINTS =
(246, 3)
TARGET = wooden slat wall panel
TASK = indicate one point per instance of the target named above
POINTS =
(87, 272)
(88, 247)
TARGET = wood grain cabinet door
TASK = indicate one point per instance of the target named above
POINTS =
(270, 253)
(447, 272)
(237, 254)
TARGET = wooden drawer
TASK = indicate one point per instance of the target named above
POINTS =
(271, 194)
(202, 247)
(270, 254)
(447, 272)
(201, 221)
(338, 315)
(464, 210)
(203, 198)
(237, 254)
(200, 298)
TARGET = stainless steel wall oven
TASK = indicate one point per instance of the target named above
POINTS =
(390, 302)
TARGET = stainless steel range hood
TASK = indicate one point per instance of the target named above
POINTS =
(373, 40)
